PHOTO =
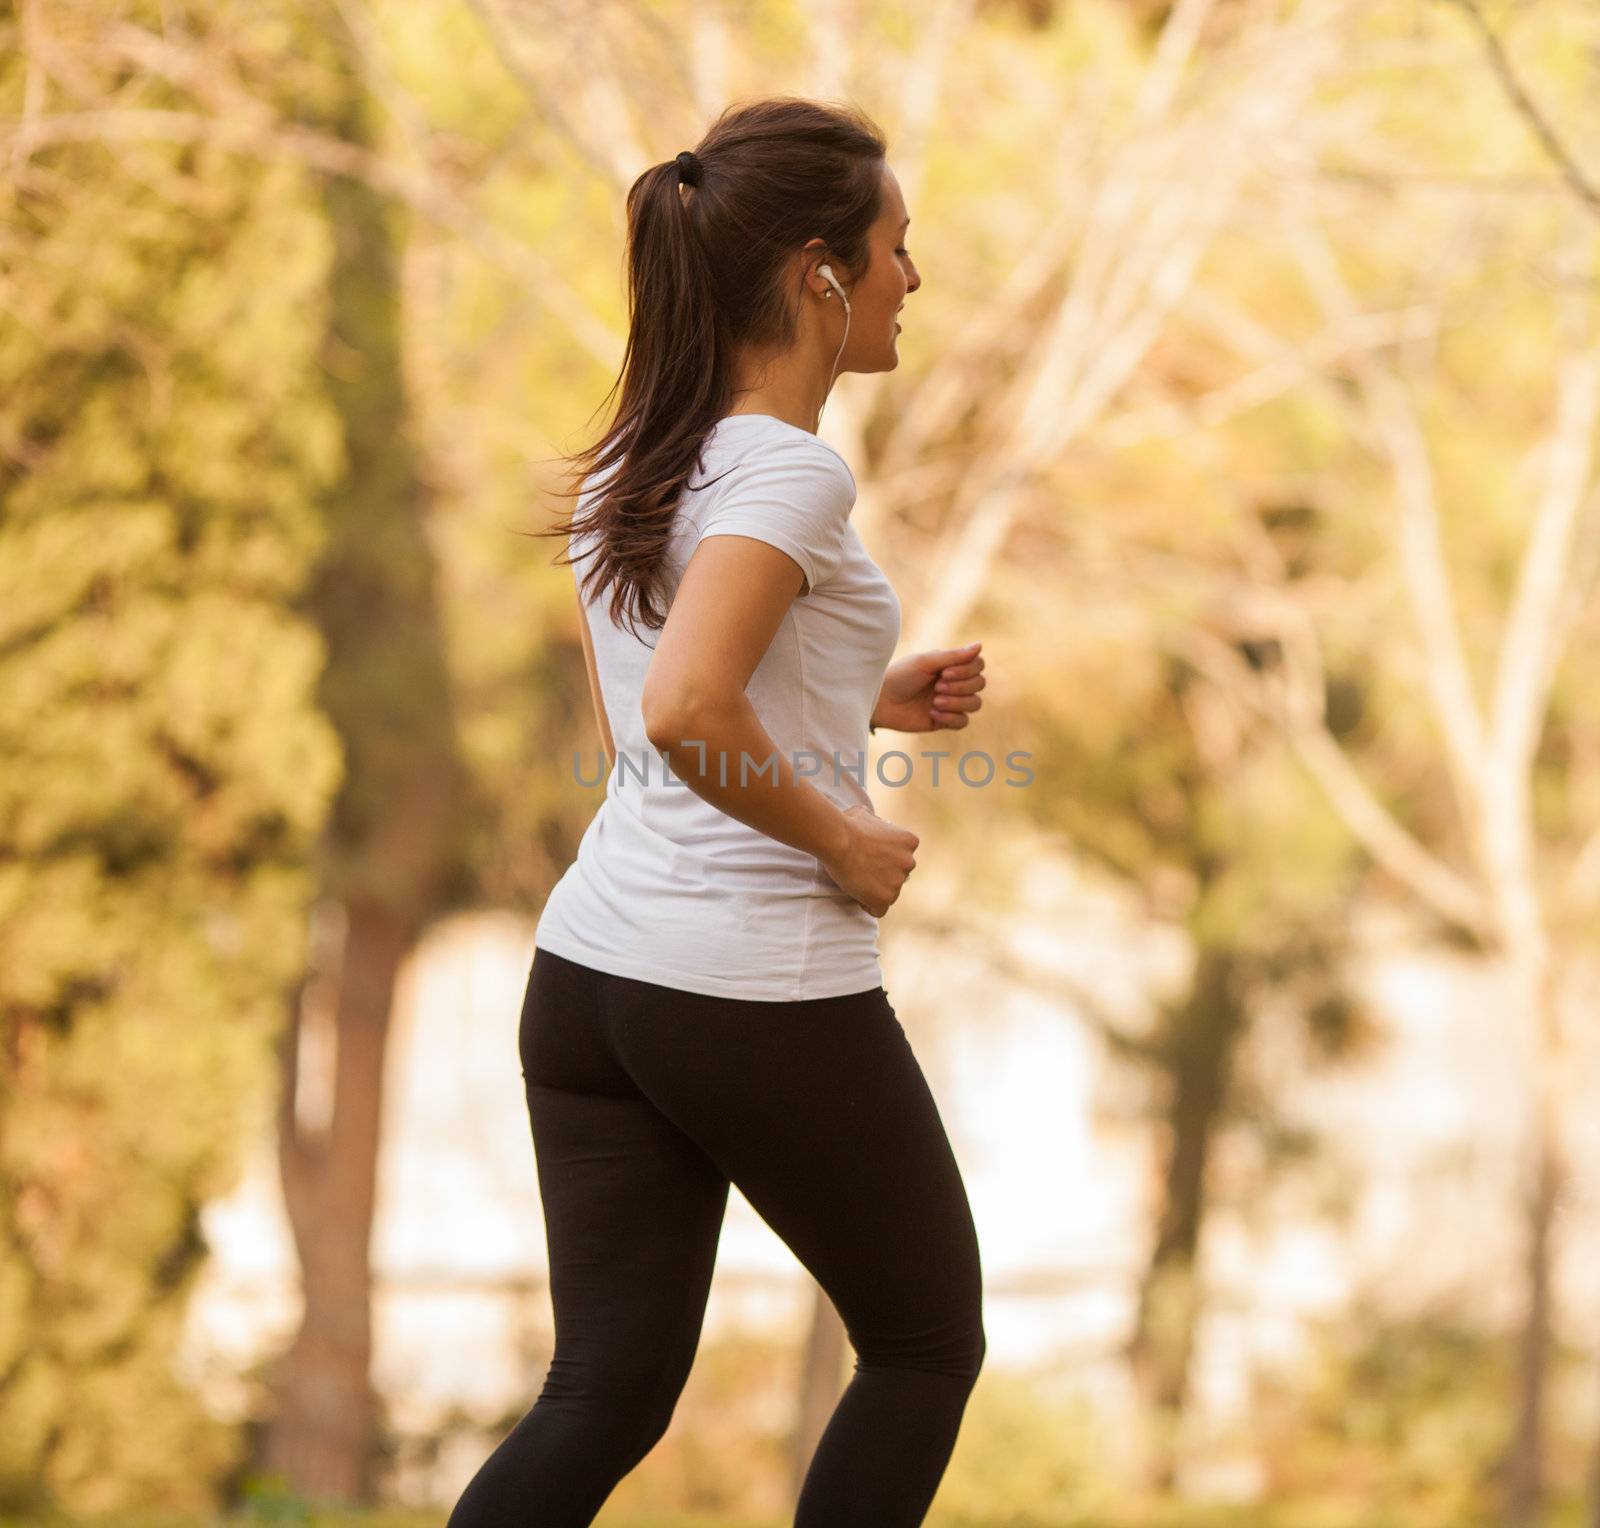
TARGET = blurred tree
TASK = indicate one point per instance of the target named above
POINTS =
(1551, 1168)
(1509, 865)
(1153, 774)
(1185, 801)
(1447, 588)
(293, 86)
(391, 855)
(1403, 1413)
(162, 444)
(1481, 810)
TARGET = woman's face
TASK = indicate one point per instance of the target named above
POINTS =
(876, 298)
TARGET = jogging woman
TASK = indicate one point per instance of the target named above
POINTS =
(706, 1004)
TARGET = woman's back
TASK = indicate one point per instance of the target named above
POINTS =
(667, 887)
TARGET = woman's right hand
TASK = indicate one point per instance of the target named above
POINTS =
(875, 862)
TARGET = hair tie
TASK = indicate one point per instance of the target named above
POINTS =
(689, 168)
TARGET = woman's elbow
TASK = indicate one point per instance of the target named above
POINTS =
(672, 719)
(667, 719)
(662, 732)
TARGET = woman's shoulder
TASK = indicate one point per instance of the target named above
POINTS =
(742, 446)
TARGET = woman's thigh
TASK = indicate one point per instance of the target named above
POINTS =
(633, 1208)
(819, 1111)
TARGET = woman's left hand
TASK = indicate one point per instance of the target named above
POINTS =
(924, 692)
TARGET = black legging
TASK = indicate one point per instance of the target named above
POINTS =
(645, 1101)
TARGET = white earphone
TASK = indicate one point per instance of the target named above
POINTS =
(826, 272)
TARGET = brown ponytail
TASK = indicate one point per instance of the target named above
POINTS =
(707, 274)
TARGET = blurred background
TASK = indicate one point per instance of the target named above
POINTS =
(1247, 414)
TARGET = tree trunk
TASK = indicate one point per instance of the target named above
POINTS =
(1546, 1177)
(821, 1382)
(319, 1439)
(391, 848)
(1594, 1492)
(1201, 1048)
(1525, 1504)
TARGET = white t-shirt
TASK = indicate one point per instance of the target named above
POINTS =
(667, 888)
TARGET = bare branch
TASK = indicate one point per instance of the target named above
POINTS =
(592, 71)
(1571, 172)
(1295, 703)
(1582, 889)
(996, 948)
(33, 85)
(940, 28)
(1392, 421)
(549, 105)
(1291, 366)
(1141, 230)
(710, 48)
(1180, 35)
(1125, 282)
(1530, 653)
(855, 402)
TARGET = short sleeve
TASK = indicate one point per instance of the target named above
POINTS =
(795, 495)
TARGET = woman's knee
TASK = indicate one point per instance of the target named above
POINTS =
(629, 1404)
(979, 1349)
(968, 1354)
(954, 1346)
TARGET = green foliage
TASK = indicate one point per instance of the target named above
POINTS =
(166, 771)
(1408, 1415)
(1025, 1452)
(267, 1501)
(728, 1449)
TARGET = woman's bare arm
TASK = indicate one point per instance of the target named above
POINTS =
(731, 600)
(600, 717)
